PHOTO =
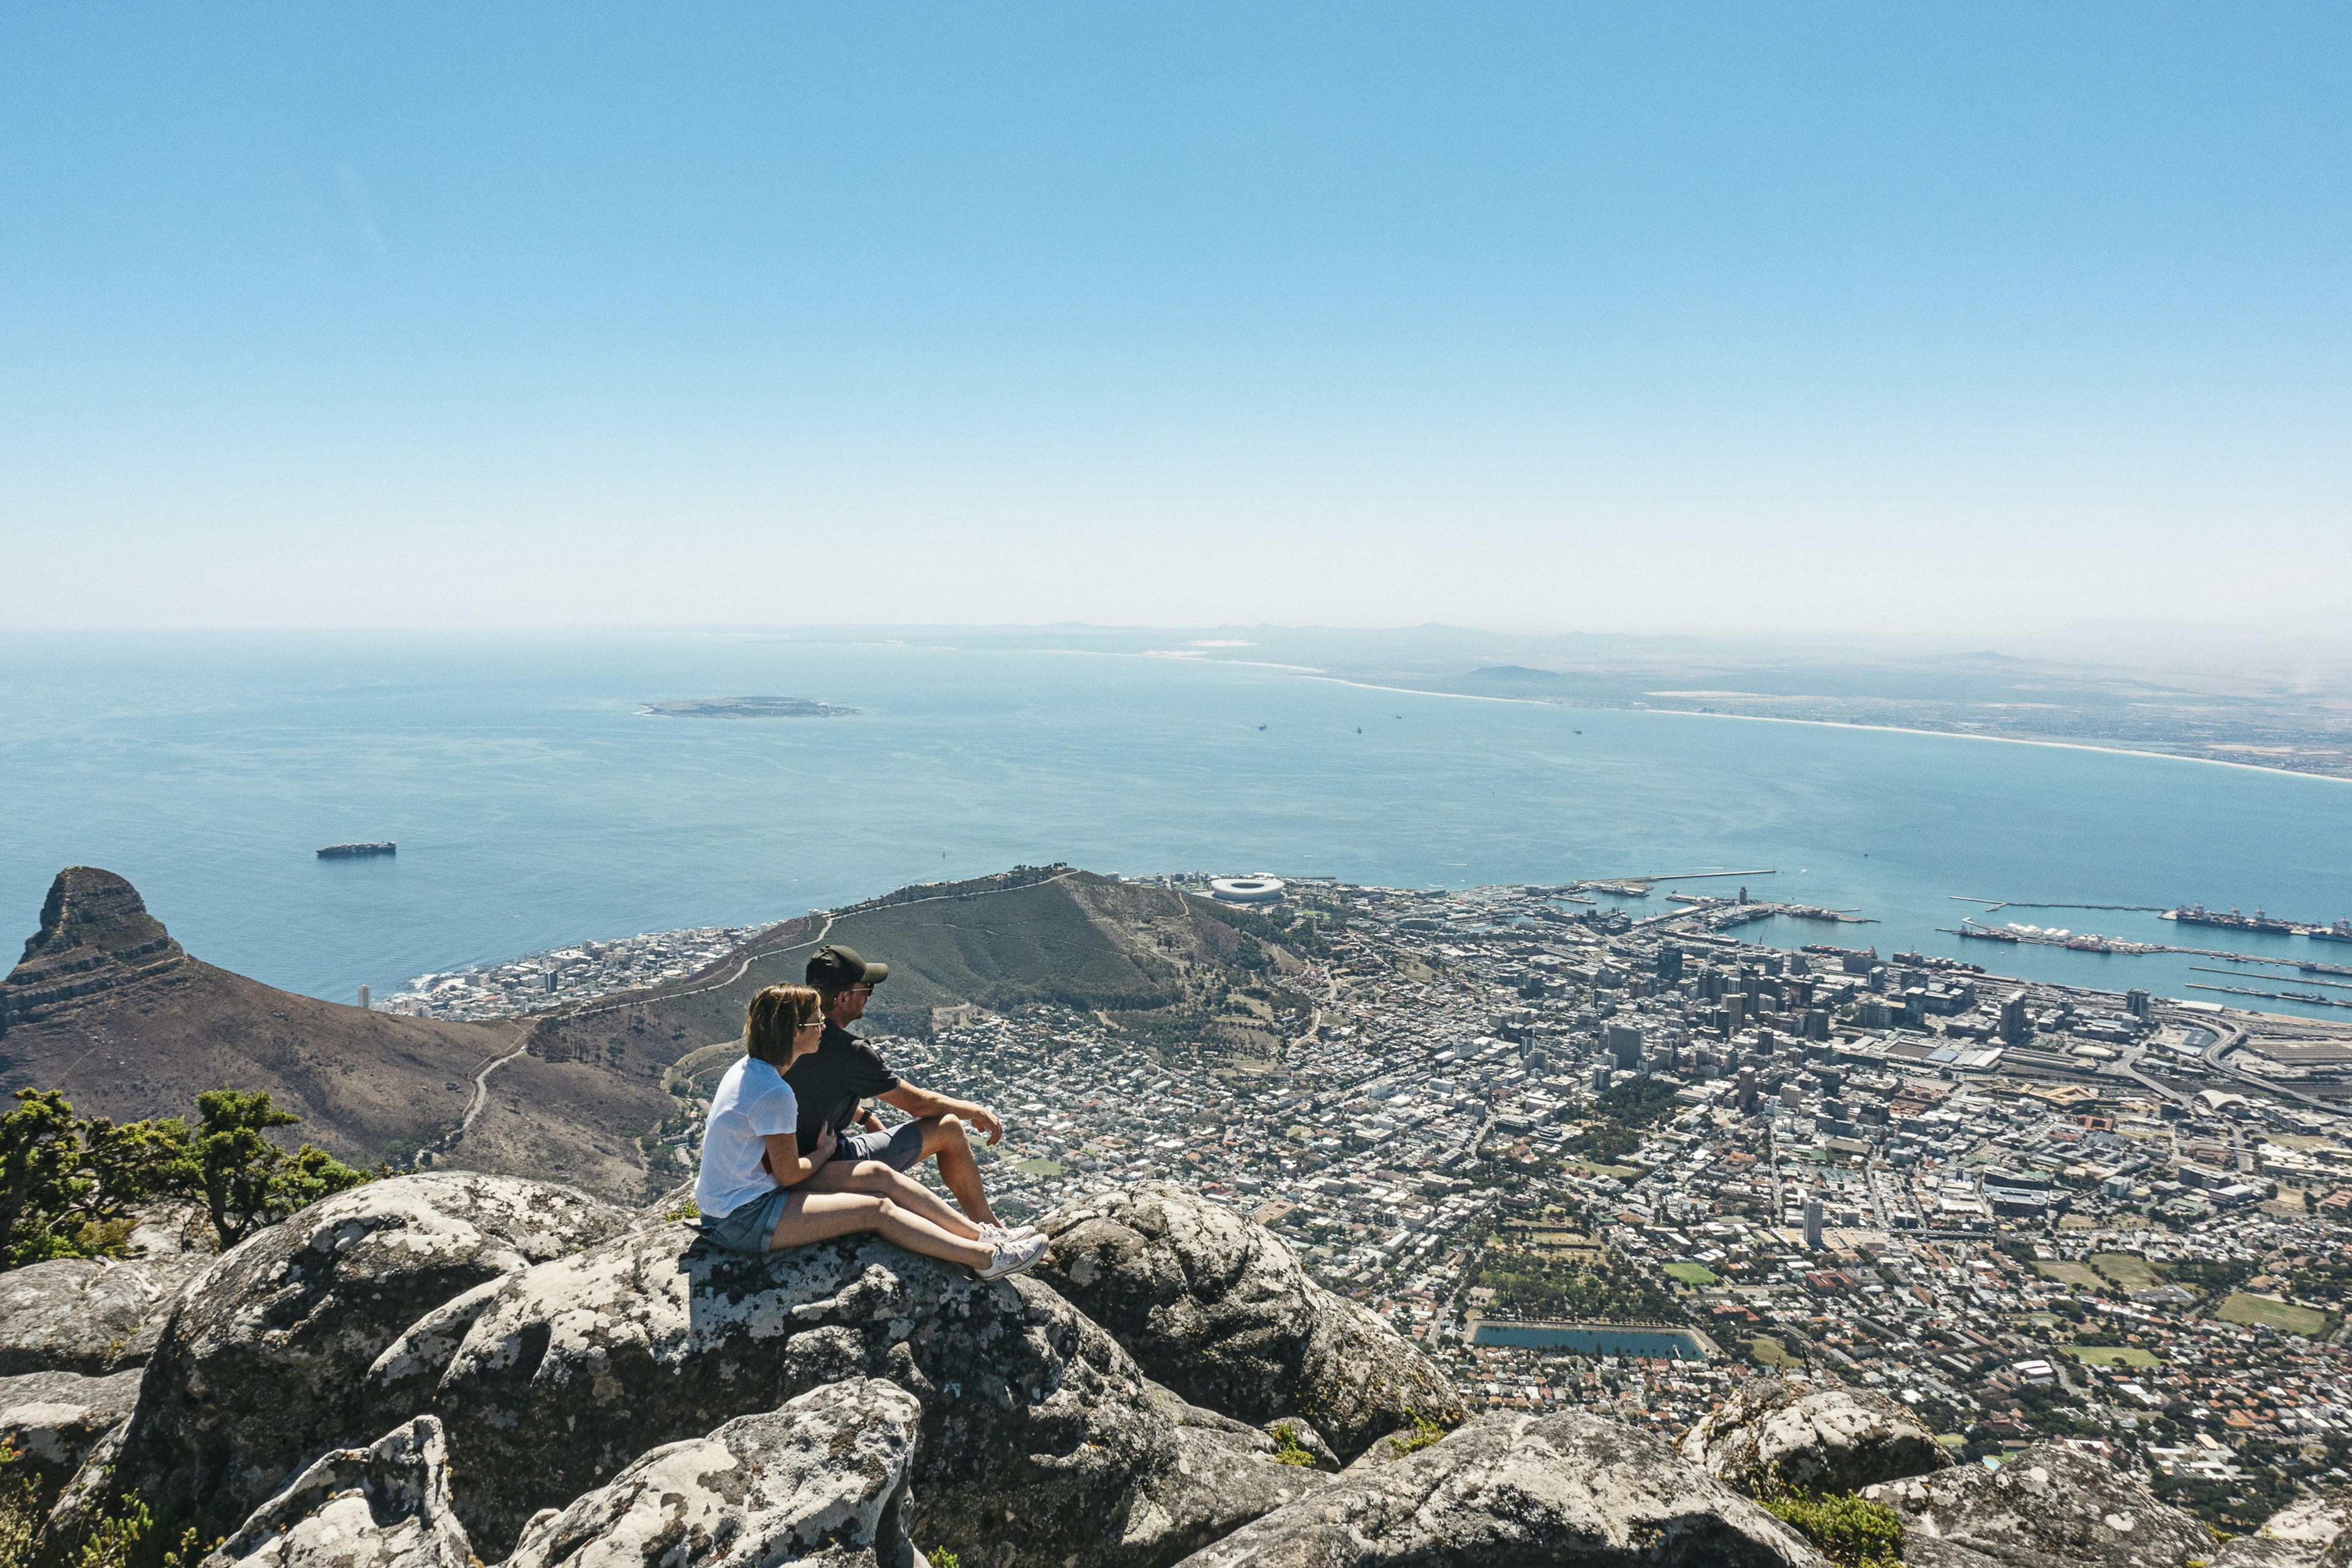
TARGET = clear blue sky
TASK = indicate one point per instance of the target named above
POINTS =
(1889, 316)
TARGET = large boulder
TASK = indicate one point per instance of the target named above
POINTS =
(1773, 1435)
(2047, 1506)
(1041, 1439)
(90, 1315)
(1220, 1310)
(1521, 1491)
(2304, 1534)
(55, 1418)
(383, 1506)
(821, 1480)
(263, 1367)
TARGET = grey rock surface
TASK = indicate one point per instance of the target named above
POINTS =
(2048, 1505)
(1220, 1310)
(1775, 1433)
(1521, 1491)
(264, 1366)
(2303, 1534)
(383, 1506)
(90, 1315)
(1041, 1439)
(821, 1480)
(55, 1418)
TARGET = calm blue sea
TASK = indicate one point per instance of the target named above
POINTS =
(534, 806)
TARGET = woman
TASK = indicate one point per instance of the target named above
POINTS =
(752, 1163)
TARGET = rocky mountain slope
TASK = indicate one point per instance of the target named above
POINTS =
(441, 1370)
(107, 1007)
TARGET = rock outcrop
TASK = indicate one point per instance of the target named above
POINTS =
(1520, 1491)
(2304, 1534)
(551, 1380)
(1220, 1310)
(822, 1481)
(95, 936)
(2049, 1505)
(383, 1506)
(90, 1315)
(1774, 1435)
(264, 1366)
(1040, 1438)
(55, 1418)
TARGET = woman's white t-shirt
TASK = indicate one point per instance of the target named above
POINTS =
(753, 1100)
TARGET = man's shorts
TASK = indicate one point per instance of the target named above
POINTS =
(902, 1149)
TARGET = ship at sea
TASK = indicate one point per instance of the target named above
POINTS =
(2198, 915)
(356, 851)
(2340, 932)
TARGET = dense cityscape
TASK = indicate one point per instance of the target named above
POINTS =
(1590, 1158)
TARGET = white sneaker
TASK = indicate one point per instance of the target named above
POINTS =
(998, 1234)
(1012, 1256)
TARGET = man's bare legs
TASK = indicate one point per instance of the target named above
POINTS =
(944, 1140)
(875, 1177)
(815, 1216)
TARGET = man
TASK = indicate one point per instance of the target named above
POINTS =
(844, 1070)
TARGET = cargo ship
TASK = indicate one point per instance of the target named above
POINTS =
(2198, 915)
(2340, 932)
(356, 851)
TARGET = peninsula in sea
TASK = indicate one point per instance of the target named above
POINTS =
(748, 708)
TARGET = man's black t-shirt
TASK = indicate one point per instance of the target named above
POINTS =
(830, 1081)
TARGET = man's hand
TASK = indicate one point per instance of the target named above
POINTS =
(825, 1143)
(979, 1116)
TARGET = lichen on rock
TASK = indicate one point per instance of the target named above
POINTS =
(1040, 1436)
(2048, 1505)
(1776, 1434)
(1221, 1310)
(264, 1365)
(383, 1506)
(1521, 1491)
(823, 1480)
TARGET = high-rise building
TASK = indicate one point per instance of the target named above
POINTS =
(1625, 1044)
(1670, 962)
(364, 998)
(2014, 1026)
(2136, 1003)
(1813, 1220)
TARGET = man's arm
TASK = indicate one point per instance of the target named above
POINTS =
(920, 1102)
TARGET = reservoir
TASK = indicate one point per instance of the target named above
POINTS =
(1594, 1340)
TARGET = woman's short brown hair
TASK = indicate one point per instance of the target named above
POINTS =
(775, 1016)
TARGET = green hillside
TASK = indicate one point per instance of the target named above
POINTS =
(1165, 967)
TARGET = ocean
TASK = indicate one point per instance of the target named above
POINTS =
(535, 805)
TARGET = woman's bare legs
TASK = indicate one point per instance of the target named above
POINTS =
(873, 1177)
(814, 1216)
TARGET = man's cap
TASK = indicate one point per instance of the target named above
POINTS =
(839, 968)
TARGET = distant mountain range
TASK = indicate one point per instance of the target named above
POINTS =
(107, 1007)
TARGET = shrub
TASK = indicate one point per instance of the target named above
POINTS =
(1846, 1528)
(1289, 1450)
(1424, 1432)
(68, 1182)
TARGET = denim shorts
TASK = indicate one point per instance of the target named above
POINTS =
(747, 1229)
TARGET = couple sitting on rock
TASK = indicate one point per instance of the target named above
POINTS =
(783, 1159)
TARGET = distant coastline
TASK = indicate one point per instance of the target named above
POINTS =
(1840, 724)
